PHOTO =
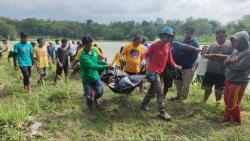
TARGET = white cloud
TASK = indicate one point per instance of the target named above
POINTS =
(115, 10)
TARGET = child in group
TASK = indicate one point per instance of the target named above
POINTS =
(236, 77)
(62, 58)
(201, 65)
(41, 60)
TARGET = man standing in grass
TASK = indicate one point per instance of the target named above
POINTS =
(41, 60)
(237, 77)
(62, 58)
(159, 54)
(90, 65)
(186, 58)
(23, 53)
(215, 72)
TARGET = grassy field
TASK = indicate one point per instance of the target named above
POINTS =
(61, 110)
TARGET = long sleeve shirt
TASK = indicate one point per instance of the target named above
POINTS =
(159, 55)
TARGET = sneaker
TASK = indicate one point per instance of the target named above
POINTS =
(184, 101)
(165, 116)
(145, 107)
(97, 105)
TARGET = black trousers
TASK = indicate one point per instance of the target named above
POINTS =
(26, 71)
(64, 69)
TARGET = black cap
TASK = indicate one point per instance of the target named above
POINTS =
(23, 35)
(87, 39)
(64, 40)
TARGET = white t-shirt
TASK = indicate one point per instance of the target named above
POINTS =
(73, 50)
(202, 65)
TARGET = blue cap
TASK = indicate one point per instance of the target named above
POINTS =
(23, 35)
(167, 30)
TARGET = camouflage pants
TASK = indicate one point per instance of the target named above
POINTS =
(155, 90)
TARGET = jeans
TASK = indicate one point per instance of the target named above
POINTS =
(89, 87)
(26, 71)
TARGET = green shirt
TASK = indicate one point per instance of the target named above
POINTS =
(90, 64)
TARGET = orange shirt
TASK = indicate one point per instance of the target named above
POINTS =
(132, 56)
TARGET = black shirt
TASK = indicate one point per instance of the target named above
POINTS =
(63, 56)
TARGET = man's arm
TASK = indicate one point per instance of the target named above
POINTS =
(189, 47)
(89, 64)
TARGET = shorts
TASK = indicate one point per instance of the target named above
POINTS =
(11, 54)
(167, 79)
(42, 71)
(213, 79)
(64, 69)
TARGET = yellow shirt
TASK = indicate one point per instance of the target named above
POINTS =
(132, 56)
(117, 58)
(41, 57)
(100, 55)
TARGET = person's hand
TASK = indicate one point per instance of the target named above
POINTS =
(208, 55)
(34, 66)
(60, 64)
(16, 68)
(70, 67)
(143, 63)
(231, 60)
(198, 50)
(178, 67)
(122, 61)
(110, 67)
(49, 61)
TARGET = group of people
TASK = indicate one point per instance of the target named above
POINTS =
(223, 65)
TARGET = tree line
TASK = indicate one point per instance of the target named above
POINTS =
(204, 28)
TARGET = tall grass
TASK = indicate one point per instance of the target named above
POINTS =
(61, 109)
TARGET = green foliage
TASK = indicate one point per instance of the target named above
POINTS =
(204, 28)
(62, 110)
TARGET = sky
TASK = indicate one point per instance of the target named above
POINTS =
(106, 11)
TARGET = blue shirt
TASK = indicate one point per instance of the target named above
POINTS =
(24, 54)
(50, 51)
(55, 47)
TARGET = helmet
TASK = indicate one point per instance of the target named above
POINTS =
(167, 30)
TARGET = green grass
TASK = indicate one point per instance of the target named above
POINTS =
(62, 111)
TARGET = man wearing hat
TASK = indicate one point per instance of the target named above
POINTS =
(160, 54)
(23, 53)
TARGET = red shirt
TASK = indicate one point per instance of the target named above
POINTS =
(158, 55)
